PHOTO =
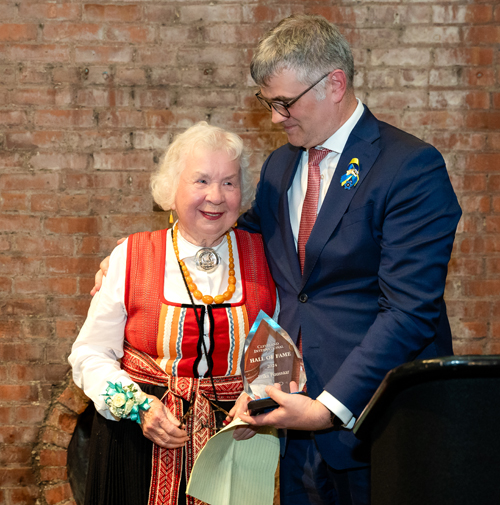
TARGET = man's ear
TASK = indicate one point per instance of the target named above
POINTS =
(338, 83)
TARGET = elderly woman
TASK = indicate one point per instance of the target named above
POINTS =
(163, 338)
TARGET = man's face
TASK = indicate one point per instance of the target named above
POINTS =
(310, 122)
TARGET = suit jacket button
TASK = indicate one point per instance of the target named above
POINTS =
(303, 298)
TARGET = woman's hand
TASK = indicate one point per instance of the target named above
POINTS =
(161, 427)
(240, 407)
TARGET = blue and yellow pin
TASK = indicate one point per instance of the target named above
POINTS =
(351, 177)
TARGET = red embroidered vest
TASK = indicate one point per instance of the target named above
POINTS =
(168, 333)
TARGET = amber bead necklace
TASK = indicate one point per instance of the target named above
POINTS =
(207, 299)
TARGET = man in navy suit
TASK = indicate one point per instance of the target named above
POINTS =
(363, 290)
(358, 220)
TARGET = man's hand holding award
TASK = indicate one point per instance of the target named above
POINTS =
(272, 367)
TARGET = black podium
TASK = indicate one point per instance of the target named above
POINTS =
(434, 429)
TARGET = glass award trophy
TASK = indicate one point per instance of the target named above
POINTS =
(269, 357)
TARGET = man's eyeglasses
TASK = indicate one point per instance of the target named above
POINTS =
(282, 107)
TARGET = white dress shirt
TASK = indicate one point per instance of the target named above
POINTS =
(296, 195)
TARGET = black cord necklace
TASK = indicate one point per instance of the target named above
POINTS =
(200, 328)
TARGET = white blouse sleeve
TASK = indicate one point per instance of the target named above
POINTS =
(99, 346)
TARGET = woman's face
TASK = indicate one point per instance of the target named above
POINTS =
(208, 198)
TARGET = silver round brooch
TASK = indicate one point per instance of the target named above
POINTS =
(207, 260)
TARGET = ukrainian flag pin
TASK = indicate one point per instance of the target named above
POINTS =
(351, 177)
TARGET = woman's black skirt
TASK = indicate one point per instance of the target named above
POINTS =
(121, 460)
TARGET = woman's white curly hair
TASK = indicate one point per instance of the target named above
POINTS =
(165, 181)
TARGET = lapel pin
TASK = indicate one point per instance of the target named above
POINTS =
(351, 177)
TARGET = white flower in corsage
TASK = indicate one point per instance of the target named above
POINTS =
(126, 401)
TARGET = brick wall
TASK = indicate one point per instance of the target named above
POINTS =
(91, 94)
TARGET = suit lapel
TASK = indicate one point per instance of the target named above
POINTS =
(337, 200)
(284, 219)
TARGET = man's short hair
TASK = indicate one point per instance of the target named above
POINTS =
(308, 45)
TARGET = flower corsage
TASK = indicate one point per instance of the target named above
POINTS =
(126, 401)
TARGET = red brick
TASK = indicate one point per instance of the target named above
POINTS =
(410, 56)
(13, 201)
(397, 99)
(70, 225)
(13, 118)
(462, 267)
(121, 161)
(483, 288)
(18, 435)
(13, 182)
(153, 98)
(46, 285)
(34, 75)
(73, 266)
(51, 457)
(459, 99)
(103, 54)
(463, 56)
(30, 140)
(30, 415)
(22, 352)
(210, 13)
(64, 118)
(493, 264)
(33, 96)
(74, 204)
(9, 329)
(56, 437)
(16, 476)
(469, 309)
(69, 307)
(58, 493)
(267, 13)
(66, 329)
(465, 347)
(53, 474)
(483, 120)
(74, 399)
(80, 32)
(486, 34)
(42, 202)
(59, 161)
(122, 119)
(479, 76)
(474, 203)
(119, 13)
(61, 11)
(44, 53)
(18, 393)
(13, 223)
(62, 420)
(484, 162)
(152, 56)
(26, 495)
(46, 246)
(17, 33)
(430, 35)
(455, 14)
(20, 455)
(131, 76)
(160, 13)
(137, 34)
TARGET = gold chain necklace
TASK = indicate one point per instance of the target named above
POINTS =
(207, 299)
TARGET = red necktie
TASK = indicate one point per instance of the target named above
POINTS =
(309, 209)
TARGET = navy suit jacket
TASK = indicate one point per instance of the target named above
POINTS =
(371, 295)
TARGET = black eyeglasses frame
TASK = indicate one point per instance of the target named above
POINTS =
(277, 105)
